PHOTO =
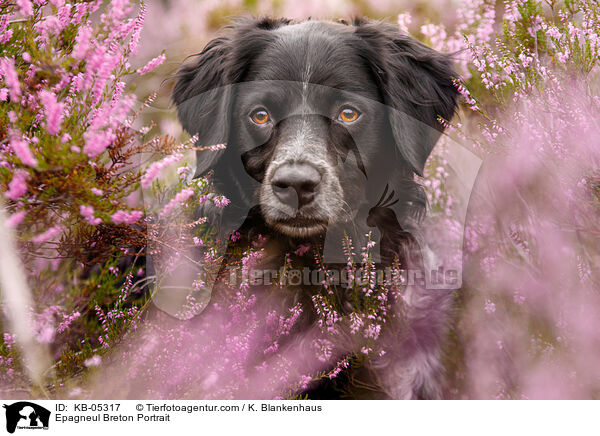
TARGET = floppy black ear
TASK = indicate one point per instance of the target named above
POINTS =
(416, 83)
(202, 99)
(204, 88)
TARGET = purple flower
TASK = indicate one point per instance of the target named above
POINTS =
(25, 7)
(137, 30)
(22, 151)
(82, 42)
(11, 78)
(125, 217)
(18, 185)
(97, 141)
(302, 250)
(88, 214)
(155, 168)
(47, 235)
(15, 219)
(178, 199)
(221, 201)
(54, 111)
(151, 65)
(95, 360)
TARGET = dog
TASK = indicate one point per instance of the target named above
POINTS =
(325, 126)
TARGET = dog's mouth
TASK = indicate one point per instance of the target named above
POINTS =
(300, 227)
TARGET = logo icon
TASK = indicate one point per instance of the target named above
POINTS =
(26, 415)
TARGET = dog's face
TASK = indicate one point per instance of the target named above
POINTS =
(321, 115)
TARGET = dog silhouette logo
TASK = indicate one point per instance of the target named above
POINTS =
(26, 415)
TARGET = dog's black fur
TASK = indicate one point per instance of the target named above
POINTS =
(370, 65)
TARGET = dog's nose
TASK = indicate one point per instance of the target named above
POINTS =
(296, 184)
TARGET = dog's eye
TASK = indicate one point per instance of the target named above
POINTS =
(348, 115)
(260, 116)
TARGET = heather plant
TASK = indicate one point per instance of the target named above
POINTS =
(71, 165)
(531, 102)
(105, 214)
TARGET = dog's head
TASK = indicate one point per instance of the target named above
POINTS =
(321, 115)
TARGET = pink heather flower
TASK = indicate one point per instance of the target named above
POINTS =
(403, 22)
(3, 94)
(119, 9)
(235, 236)
(489, 307)
(221, 201)
(97, 141)
(198, 241)
(88, 214)
(519, 299)
(155, 168)
(82, 42)
(54, 111)
(151, 65)
(95, 360)
(17, 186)
(15, 219)
(178, 199)
(183, 172)
(25, 7)
(302, 250)
(67, 321)
(214, 147)
(4, 22)
(11, 78)
(97, 191)
(137, 30)
(47, 235)
(372, 331)
(23, 152)
(125, 217)
(47, 28)
(46, 334)
(6, 36)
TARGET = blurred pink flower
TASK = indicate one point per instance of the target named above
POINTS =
(47, 235)
(54, 111)
(18, 185)
(82, 42)
(178, 199)
(155, 168)
(88, 214)
(11, 78)
(15, 219)
(23, 152)
(95, 360)
(97, 141)
(125, 217)
(25, 7)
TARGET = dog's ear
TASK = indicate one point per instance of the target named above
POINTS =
(204, 88)
(416, 83)
(201, 95)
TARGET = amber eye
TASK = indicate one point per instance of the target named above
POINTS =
(348, 115)
(260, 116)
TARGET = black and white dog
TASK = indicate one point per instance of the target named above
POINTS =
(326, 125)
